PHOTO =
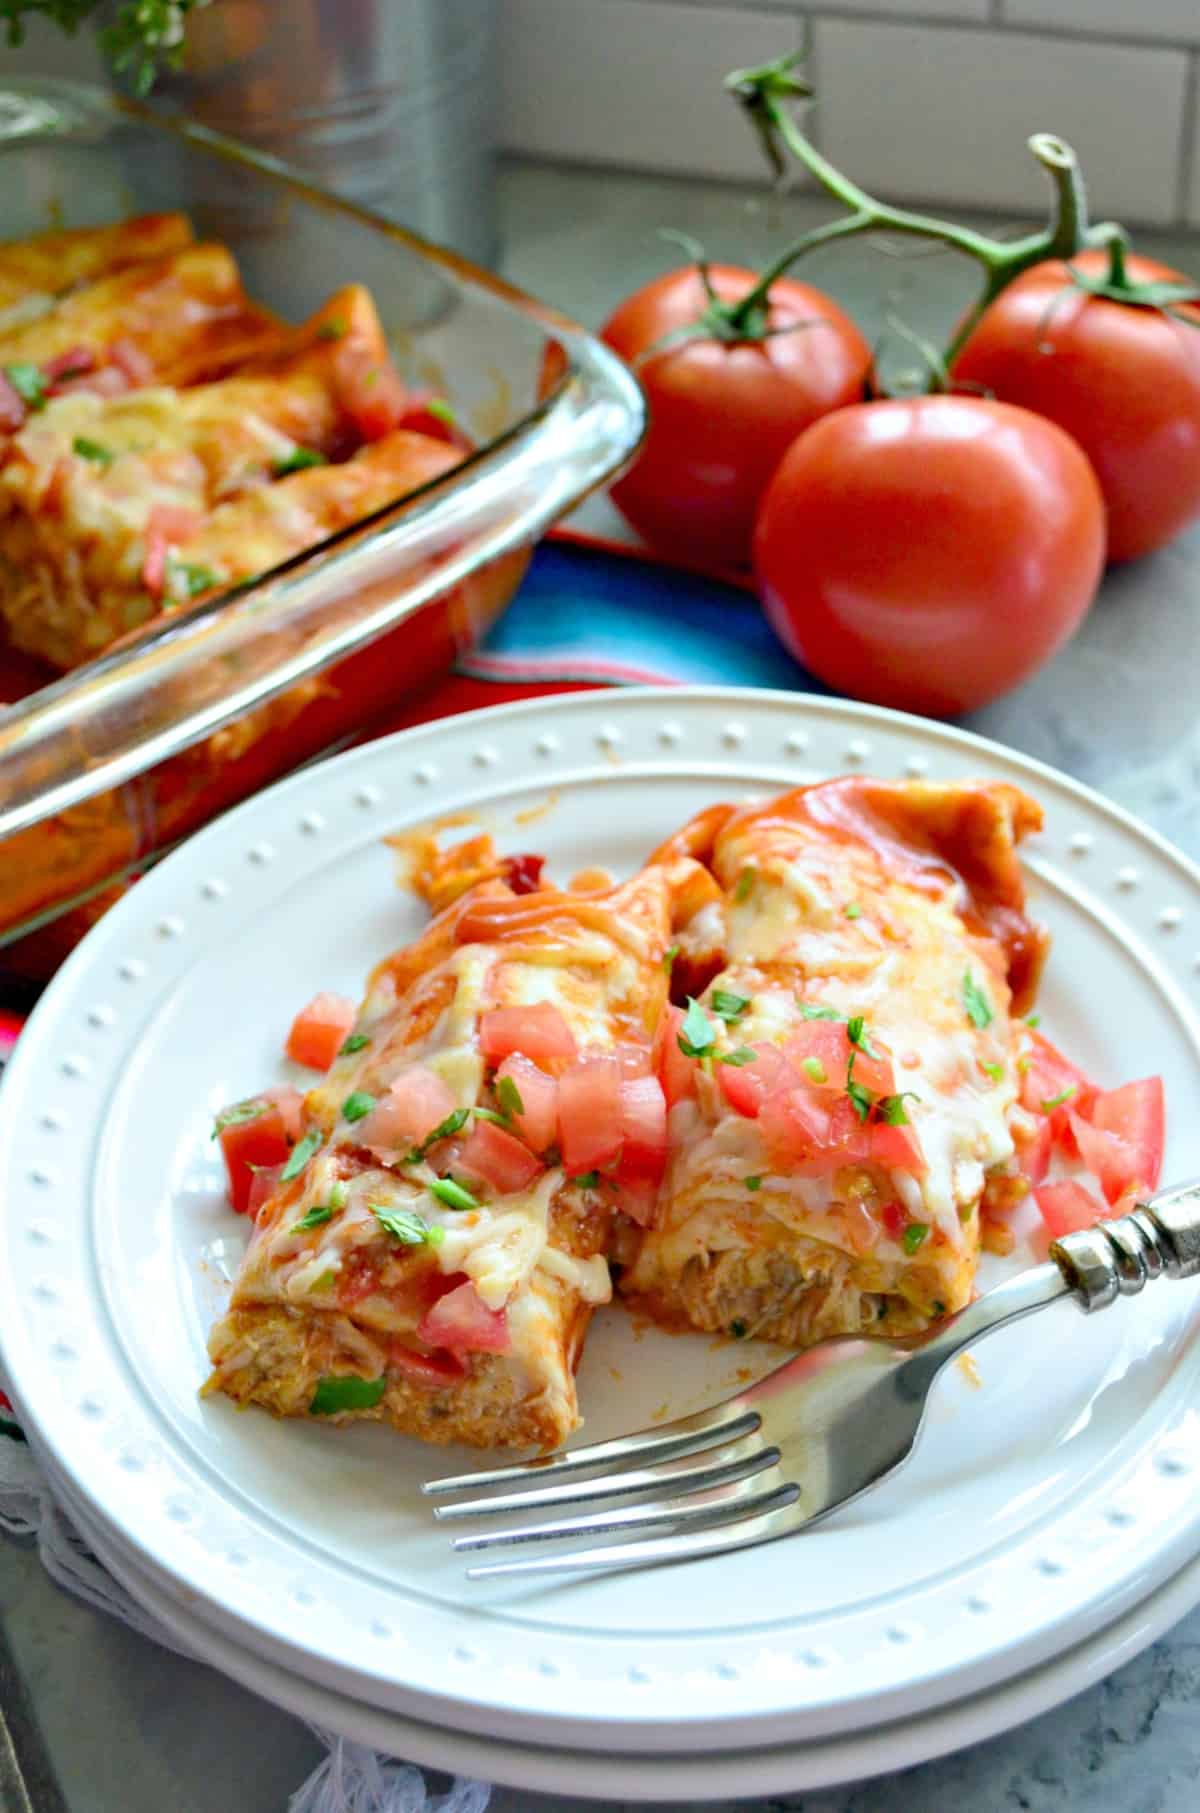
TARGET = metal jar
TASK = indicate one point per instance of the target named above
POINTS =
(390, 102)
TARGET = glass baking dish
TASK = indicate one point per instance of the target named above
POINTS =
(104, 767)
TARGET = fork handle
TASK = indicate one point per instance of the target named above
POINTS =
(1119, 1258)
(1160, 1238)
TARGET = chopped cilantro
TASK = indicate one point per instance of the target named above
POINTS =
(28, 383)
(814, 1070)
(745, 882)
(669, 957)
(979, 1009)
(892, 1110)
(818, 1013)
(752, 1183)
(298, 460)
(357, 1105)
(339, 1195)
(347, 1392)
(497, 1118)
(92, 450)
(729, 1007)
(354, 1043)
(696, 1037)
(1056, 1101)
(403, 1225)
(995, 1071)
(442, 412)
(861, 1099)
(509, 1096)
(914, 1236)
(853, 911)
(300, 1155)
(315, 1218)
(239, 1113)
(333, 329)
(192, 580)
(856, 1032)
(452, 1194)
(939, 1308)
(587, 1180)
(1033, 1020)
(454, 1123)
(738, 1330)
(743, 1055)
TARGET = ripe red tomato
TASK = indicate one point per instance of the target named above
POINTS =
(722, 415)
(929, 552)
(1124, 381)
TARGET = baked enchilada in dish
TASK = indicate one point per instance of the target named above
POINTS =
(163, 437)
(847, 1081)
(431, 1248)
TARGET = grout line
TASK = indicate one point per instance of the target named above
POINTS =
(1188, 139)
(997, 20)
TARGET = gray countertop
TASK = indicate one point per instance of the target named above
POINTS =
(129, 1728)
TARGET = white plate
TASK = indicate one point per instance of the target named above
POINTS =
(1037, 1509)
(608, 1775)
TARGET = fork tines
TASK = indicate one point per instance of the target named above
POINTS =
(703, 1507)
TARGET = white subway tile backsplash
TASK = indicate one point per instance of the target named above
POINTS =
(943, 114)
(46, 50)
(1179, 19)
(633, 82)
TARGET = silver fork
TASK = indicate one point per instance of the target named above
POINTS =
(806, 1439)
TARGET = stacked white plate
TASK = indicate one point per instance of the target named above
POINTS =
(1046, 1528)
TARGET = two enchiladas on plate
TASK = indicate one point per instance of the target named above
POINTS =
(777, 1084)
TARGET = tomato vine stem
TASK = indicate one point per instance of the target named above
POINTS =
(768, 94)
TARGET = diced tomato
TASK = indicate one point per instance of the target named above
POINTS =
(810, 1135)
(589, 1113)
(319, 1030)
(107, 381)
(1035, 1154)
(539, 1031)
(167, 525)
(676, 1073)
(537, 1124)
(132, 361)
(290, 1104)
(894, 1217)
(441, 1367)
(499, 1158)
(1067, 1207)
(1050, 1075)
(76, 363)
(368, 390)
(154, 566)
(419, 418)
(263, 1183)
(898, 1148)
(358, 1279)
(261, 1141)
(747, 1086)
(825, 1045)
(462, 1322)
(12, 409)
(1135, 1114)
(523, 873)
(634, 1060)
(416, 1102)
(638, 1198)
(643, 1130)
